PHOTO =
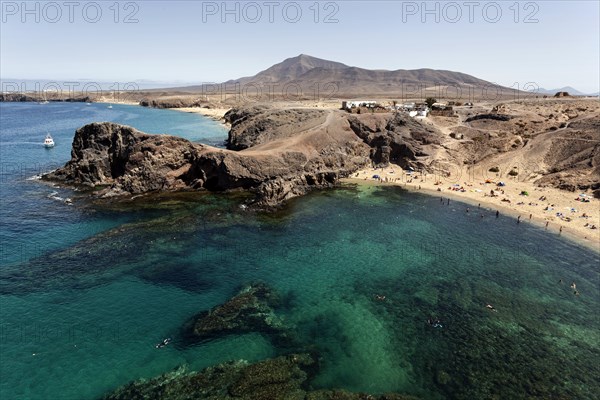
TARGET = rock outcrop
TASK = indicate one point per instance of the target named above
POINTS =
(119, 160)
(35, 97)
(285, 377)
(125, 160)
(282, 154)
(492, 116)
(399, 139)
(251, 310)
(17, 97)
(258, 125)
(171, 102)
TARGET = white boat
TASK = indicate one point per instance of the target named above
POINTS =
(44, 102)
(48, 142)
(109, 106)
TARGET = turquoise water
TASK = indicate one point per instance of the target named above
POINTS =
(82, 317)
(32, 214)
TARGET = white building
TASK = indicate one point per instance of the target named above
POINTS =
(358, 103)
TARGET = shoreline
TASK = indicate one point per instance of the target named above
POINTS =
(216, 114)
(573, 231)
(125, 102)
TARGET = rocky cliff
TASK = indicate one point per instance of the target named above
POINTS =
(282, 154)
(37, 96)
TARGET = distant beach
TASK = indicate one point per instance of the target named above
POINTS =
(215, 113)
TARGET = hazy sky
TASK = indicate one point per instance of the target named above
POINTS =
(551, 43)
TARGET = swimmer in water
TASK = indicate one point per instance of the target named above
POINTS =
(163, 343)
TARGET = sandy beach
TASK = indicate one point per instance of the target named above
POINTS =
(549, 208)
(214, 113)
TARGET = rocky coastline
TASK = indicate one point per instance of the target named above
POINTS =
(276, 154)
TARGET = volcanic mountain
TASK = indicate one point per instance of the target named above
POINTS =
(334, 78)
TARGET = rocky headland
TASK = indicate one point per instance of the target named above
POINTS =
(276, 153)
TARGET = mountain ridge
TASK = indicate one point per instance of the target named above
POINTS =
(308, 73)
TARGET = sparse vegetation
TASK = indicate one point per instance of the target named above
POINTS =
(494, 169)
(430, 101)
(513, 172)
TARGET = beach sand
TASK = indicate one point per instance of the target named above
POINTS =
(215, 113)
(477, 192)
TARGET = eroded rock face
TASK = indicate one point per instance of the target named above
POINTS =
(171, 102)
(285, 377)
(16, 97)
(251, 310)
(257, 125)
(127, 160)
(286, 153)
(398, 139)
(492, 116)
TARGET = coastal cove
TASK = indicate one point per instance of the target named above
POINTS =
(87, 290)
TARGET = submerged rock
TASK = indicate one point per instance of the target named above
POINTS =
(251, 310)
(285, 377)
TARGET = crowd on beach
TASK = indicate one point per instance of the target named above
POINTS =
(542, 210)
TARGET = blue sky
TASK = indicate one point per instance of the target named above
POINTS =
(551, 43)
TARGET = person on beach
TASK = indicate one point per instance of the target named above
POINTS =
(546, 225)
(497, 213)
(560, 230)
(530, 215)
(448, 202)
(519, 219)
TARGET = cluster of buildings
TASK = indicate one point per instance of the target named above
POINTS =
(415, 110)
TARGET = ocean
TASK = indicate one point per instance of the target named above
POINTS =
(88, 289)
